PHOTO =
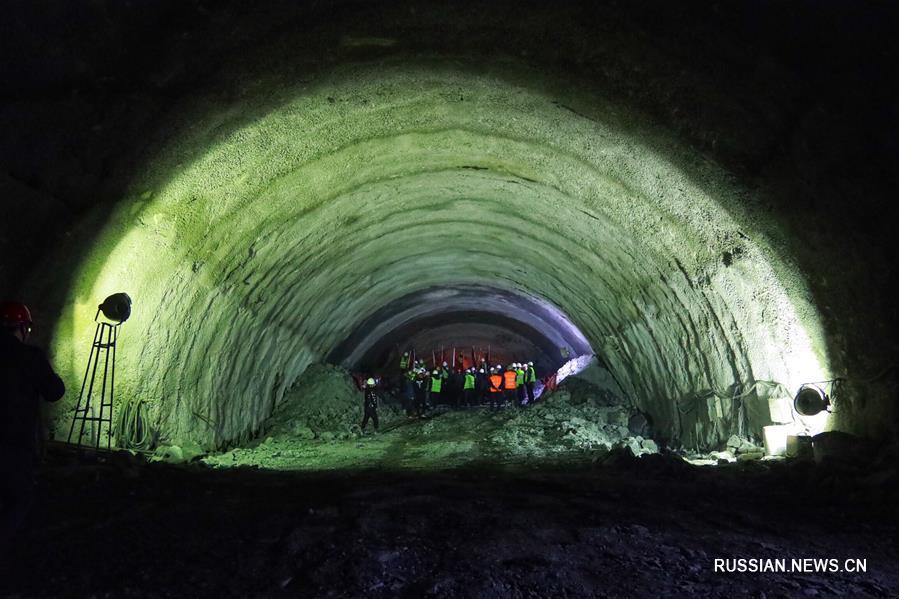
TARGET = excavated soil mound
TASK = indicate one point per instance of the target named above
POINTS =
(324, 404)
(577, 416)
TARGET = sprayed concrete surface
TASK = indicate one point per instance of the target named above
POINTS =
(255, 248)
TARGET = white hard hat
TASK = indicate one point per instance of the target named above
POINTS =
(530, 363)
(499, 366)
(445, 364)
(405, 353)
(370, 382)
(481, 371)
(435, 372)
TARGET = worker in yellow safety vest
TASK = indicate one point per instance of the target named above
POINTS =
(436, 387)
(530, 379)
(468, 387)
(519, 382)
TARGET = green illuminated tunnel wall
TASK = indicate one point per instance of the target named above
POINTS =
(252, 247)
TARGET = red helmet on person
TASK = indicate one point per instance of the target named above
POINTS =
(13, 313)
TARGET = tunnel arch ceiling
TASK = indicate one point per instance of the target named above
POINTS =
(254, 247)
(515, 326)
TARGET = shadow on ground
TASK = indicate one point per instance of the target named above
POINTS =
(652, 526)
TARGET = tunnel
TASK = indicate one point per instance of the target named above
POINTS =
(277, 237)
(697, 198)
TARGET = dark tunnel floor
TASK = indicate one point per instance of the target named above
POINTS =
(650, 527)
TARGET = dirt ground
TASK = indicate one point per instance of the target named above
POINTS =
(628, 527)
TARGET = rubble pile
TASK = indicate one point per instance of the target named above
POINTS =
(736, 449)
(317, 427)
(324, 404)
(577, 416)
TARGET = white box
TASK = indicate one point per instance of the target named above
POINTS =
(776, 438)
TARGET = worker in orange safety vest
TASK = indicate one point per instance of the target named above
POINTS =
(510, 384)
(496, 388)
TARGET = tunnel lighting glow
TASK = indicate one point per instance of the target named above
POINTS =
(574, 366)
(258, 247)
(775, 438)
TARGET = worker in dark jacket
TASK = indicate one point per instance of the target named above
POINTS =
(409, 392)
(456, 386)
(26, 377)
(421, 394)
(370, 404)
(482, 384)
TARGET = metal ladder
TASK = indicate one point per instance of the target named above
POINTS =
(103, 349)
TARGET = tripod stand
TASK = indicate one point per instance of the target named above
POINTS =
(103, 349)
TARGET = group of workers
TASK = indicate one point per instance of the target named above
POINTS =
(466, 387)
(459, 387)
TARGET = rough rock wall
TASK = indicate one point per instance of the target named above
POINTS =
(258, 255)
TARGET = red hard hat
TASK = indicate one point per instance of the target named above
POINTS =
(14, 313)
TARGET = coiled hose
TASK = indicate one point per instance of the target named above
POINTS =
(131, 428)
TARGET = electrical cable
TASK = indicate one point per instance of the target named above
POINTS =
(132, 431)
(695, 399)
(710, 393)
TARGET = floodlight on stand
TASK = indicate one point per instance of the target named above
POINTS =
(116, 308)
(811, 400)
(94, 410)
